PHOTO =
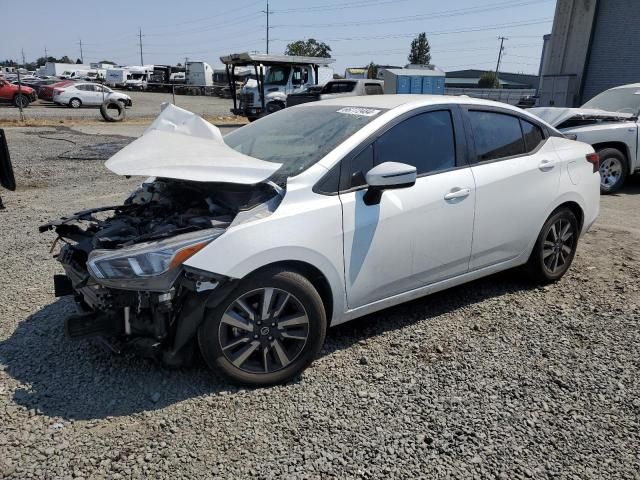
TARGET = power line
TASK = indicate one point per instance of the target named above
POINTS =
(426, 16)
(217, 15)
(442, 32)
(341, 6)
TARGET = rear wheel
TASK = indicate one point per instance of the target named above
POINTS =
(267, 331)
(555, 247)
(75, 103)
(613, 170)
(21, 101)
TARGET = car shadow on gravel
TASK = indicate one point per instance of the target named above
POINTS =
(80, 380)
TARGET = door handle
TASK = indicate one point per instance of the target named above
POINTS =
(546, 165)
(457, 193)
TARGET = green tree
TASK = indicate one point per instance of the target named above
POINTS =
(65, 59)
(489, 80)
(309, 48)
(420, 53)
(372, 71)
(78, 61)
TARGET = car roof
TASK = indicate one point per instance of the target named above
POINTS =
(393, 101)
(630, 86)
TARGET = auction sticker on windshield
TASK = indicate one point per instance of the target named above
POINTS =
(360, 112)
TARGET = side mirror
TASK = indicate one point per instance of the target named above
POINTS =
(388, 176)
(571, 136)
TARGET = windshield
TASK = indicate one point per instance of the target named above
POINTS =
(278, 76)
(622, 100)
(299, 137)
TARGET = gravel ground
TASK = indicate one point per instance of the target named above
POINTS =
(145, 105)
(495, 379)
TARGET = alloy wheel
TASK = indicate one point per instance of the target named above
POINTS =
(263, 330)
(558, 246)
(610, 172)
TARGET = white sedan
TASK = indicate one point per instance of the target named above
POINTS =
(77, 95)
(250, 246)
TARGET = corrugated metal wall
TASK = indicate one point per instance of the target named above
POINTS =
(615, 50)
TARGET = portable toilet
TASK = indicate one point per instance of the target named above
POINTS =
(413, 80)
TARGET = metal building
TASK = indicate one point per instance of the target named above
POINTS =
(594, 45)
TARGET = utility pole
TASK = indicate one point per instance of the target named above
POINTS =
(46, 55)
(140, 37)
(81, 54)
(502, 39)
(267, 12)
(23, 62)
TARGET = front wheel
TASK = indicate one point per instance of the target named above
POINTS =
(75, 103)
(267, 331)
(613, 170)
(555, 247)
(21, 101)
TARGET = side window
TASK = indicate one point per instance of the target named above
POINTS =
(496, 135)
(84, 88)
(425, 141)
(533, 135)
(373, 89)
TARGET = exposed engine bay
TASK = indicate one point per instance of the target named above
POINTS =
(124, 264)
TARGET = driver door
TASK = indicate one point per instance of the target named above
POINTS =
(416, 235)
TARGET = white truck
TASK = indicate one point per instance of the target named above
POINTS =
(117, 77)
(609, 123)
(54, 69)
(199, 74)
(276, 77)
(138, 77)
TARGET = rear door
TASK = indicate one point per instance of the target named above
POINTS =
(416, 235)
(517, 176)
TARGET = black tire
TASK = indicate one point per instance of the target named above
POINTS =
(545, 267)
(265, 340)
(75, 103)
(614, 170)
(108, 107)
(21, 100)
(273, 107)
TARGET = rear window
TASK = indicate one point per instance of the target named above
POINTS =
(339, 87)
(373, 89)
(299, 137)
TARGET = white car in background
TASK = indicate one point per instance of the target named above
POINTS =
(609, 123)
(76, 95)
(250, 246)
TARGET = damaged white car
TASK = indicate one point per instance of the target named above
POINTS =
(249, 247)
(608, 122)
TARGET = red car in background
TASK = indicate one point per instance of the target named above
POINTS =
(46, 92)
(19, 95)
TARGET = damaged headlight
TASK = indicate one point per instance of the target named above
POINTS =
(146, 261)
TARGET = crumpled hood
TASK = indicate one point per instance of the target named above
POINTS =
(182, 145)
(555, 116)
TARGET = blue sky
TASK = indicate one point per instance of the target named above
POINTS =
(462, 33)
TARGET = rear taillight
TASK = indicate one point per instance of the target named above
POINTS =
(594, 159)
(57, 92)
